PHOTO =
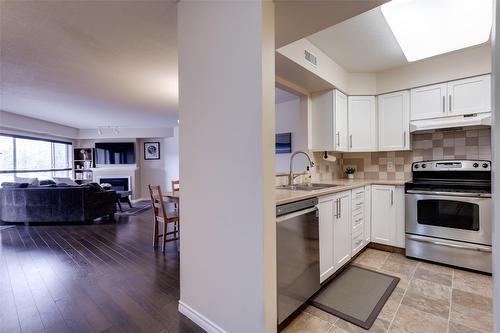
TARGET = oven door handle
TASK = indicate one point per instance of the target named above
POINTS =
(443, 243)
(451, 194)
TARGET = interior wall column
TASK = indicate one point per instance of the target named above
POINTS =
(226, 107)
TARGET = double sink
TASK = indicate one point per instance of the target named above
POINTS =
(306, 187)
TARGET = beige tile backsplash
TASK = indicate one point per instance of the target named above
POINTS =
(437, 145)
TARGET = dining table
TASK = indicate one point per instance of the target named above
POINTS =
(173, 197)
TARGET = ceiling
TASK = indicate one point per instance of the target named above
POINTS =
(362, 44)
(283, 96)
(296, 19)
(90, 63)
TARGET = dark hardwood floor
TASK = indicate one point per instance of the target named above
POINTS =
(104, 277)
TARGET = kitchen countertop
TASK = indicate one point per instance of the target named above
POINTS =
(284, 196)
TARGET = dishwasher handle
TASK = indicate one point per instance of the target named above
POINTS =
(286, 217)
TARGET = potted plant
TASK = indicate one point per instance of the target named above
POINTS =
(349, 171)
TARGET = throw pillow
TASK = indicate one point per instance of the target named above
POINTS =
(65, 180)
(30, 181)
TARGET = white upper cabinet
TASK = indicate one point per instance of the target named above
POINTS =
(459, 97)
(472, 95)
(362, 123)
(322, 120)
(394, 121)
(341, 122)
(329, 121)
(429, 102)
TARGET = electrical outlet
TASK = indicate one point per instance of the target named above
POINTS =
(390, 165)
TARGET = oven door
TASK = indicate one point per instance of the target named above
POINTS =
(466, 219)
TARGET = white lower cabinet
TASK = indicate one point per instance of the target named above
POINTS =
(334, 232)
(350, 220)
(326, 206)
(387, 207)
(368, 214)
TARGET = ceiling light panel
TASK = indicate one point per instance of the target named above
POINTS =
(426, 28)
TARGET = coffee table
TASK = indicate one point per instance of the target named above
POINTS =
(125, 195)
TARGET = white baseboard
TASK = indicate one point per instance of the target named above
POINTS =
(199, 319)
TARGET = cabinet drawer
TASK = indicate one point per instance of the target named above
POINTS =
(357, 205)
(358, 226)
(357, 241)
(358, 194)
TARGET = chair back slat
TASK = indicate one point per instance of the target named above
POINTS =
(157, 202)
(175, 186)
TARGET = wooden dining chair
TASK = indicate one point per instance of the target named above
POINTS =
(175, 188)
(162, 214)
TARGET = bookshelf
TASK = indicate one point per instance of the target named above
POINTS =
(83, 162)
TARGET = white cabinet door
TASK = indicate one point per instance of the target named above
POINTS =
(322, 121)
(368, 214)
(341, 122)
(429, 102)
(383, 215)
(394, 121)
(399, 203)
(362, 123)
(342, 229)
(472, 95)
(326, 219)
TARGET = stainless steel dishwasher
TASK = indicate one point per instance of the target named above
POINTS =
(297, 255)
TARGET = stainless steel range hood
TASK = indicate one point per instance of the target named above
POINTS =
(479, 119)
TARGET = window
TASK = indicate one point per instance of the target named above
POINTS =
(28, 157)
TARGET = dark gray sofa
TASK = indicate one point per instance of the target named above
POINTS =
(55, 203)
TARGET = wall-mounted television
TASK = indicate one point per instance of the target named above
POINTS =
(114, 153)
(283, 143)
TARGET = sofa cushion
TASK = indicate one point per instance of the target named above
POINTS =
(15, 185)
(30, 181)
(47, 182)
(65, 180)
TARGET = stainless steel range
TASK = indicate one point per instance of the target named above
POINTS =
(448, 213)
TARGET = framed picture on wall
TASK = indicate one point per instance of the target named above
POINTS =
(151, 150)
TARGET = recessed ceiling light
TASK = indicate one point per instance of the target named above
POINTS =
(425, 28)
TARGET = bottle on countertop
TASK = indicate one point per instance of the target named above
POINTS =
(307, 176)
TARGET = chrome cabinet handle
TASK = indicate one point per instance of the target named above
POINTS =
(338, 138)
(392, 197)
(340, 207)
(404, 139)
(337, 208)
(350, 138)
(449, 103)
(444, 102)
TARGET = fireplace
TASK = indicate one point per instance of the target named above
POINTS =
(117, 184)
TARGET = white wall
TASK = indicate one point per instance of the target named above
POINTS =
(163, 171)
(447, 67)
(171, 153)
(289, 119)
(496, 170)
(329, 70)
(17, 124)
(226, 108)
(455, 65)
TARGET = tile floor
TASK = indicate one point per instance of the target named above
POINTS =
(429, 298)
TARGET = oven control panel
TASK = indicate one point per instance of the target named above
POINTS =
(452, 165)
